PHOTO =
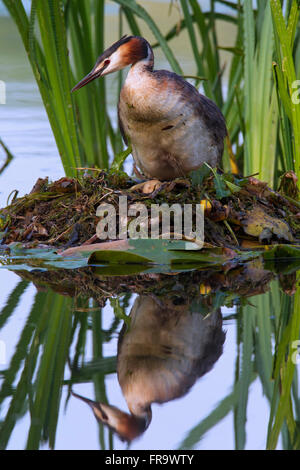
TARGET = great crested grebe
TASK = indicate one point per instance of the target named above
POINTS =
(172, 128)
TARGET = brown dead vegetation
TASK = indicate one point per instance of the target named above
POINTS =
(240, 212)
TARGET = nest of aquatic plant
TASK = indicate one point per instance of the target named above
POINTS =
(239, 211)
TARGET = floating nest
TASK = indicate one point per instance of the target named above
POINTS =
(239, 212)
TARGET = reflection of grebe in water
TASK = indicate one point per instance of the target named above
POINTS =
(165, 350)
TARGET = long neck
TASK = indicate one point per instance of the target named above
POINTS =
(146, 59)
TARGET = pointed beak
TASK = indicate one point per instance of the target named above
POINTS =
(128, 427)
(95, 73)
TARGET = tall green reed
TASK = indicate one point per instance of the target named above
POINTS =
(260, 112)
(49, 60)
(286, 83)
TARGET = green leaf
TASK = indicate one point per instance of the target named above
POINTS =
(233, 50)
(233, 187)
(120, 159)
(165, 252)
(22, 259)
(282, 252)
(220, 187)
(198, 176)
(117, 257)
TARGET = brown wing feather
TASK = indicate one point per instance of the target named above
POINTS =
(207, 109)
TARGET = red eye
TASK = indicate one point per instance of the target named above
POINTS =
(107, 62)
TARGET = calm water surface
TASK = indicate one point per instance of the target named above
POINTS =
(90, 361)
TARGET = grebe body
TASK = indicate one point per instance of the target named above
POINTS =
(172, 128)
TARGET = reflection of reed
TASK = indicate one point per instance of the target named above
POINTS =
(160, 356)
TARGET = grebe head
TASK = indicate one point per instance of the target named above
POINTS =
(128, 50)
(127, 426)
